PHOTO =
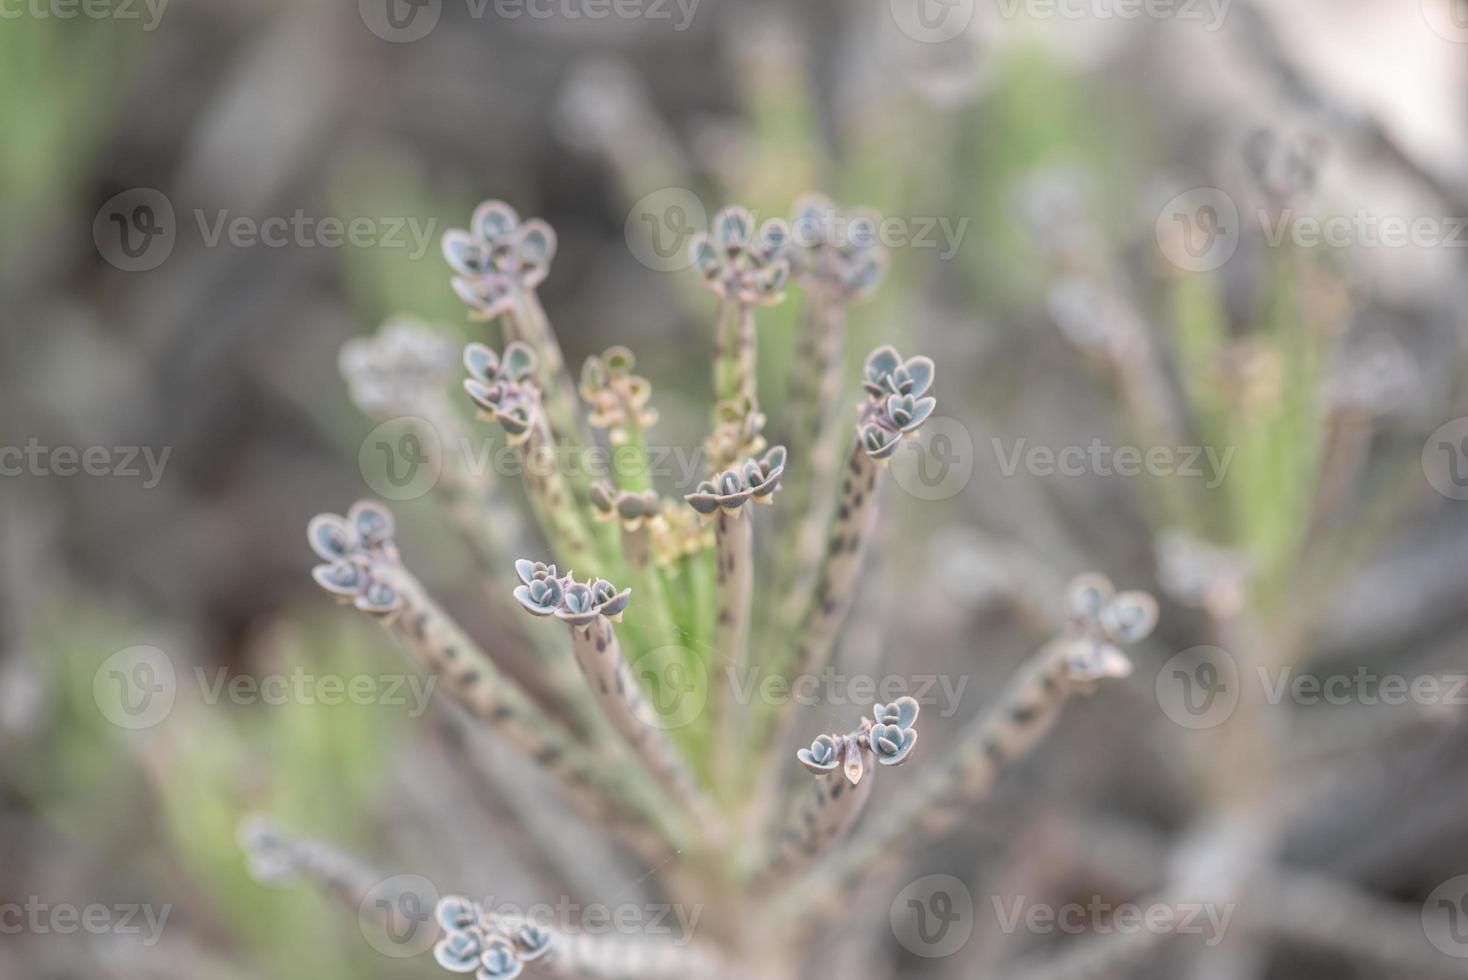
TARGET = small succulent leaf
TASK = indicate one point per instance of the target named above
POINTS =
(1087, 594)
(374, 522)
(463, 254)
(1130, 617)
(528, 599)
(617, 604)
(532, 942)
(704, 253)
(1088, 661)
(920, 371)
(343, 577)
(525, 569)
(379, 597)
(702, 501)
(486, 397)
(519, 362)
(499, 960)
(481, 362)
(470, 291)
(331, 536)
(455, 912)
(493, 220)
(921, 409)
(459, 952)
(536, 243)
(731, 228)
(821, 757)
(891, 744)
(881, 362)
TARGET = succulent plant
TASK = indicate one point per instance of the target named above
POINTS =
(650, 741)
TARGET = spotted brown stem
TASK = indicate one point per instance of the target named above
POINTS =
(589, 609)
(725, 501)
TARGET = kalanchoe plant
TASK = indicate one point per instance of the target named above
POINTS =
(611, 707)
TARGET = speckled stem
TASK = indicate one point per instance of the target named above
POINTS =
(550, 495)
(824, 817)
(526, 321)
(816, 417)
(736, 358)
(470, 678)
(1024, 714)
(620, 695)
(734, 580)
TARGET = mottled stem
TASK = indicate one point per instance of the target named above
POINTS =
(734, 579)
(856, 516)
(816, 418)
(735, 354)
(551, 496)
(620, 695)
(526, 321)
(824, 817)
(471, 679)
(1024, 714)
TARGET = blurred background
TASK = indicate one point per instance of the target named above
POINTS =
(1194, 277)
